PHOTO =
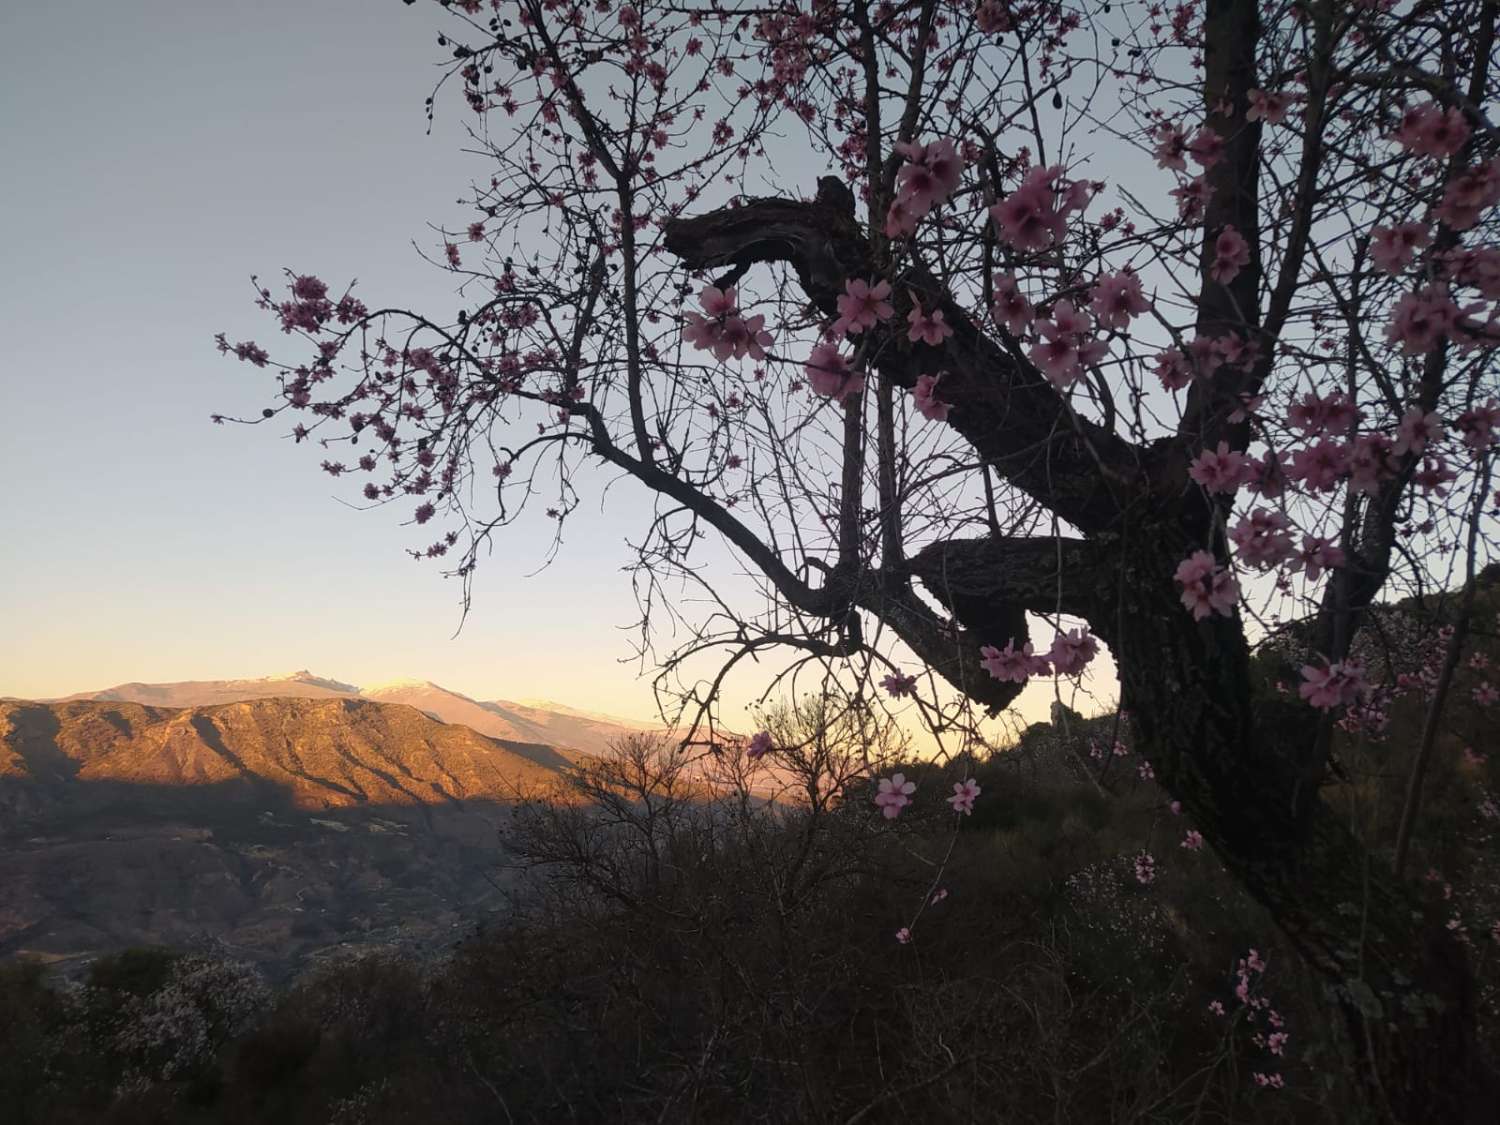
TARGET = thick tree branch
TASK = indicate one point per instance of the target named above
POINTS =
(1011, 415)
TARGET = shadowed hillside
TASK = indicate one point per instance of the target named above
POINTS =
(277, 827)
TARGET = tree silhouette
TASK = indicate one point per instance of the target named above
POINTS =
(1156, 323)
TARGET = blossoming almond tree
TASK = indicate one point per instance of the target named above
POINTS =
(1154, 322)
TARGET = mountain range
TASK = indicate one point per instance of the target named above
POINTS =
(552, 724)
(281, 820)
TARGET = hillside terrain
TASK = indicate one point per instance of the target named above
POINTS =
(532, 721)
(279, 827)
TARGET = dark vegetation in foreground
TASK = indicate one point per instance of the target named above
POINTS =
(681, 955)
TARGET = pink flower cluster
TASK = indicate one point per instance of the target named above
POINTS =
(1220, 469)
(1035, 215)
(926, 327)
(1430, 130)
(1145, 868)
(1117, 298)
(722, 329)
(1231, 254)
(1269, 107)
(924, 397)
(1393, 248)
(1207, 587)
(862, 305)
(831, 374)
(964, 793)
(1069, 655)
(1263, 538)
(1339, 684)
(1010, 307)
(1422, 319)
(1469, 194)
(760, 745)
(930, 175)
(1066, 345)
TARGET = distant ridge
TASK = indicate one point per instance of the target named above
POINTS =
(569, 729)
(321, 753)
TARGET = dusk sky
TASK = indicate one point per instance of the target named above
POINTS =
(159, 152)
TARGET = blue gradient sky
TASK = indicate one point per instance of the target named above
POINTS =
(156, 154)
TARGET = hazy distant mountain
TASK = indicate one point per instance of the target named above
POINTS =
(205, 693)
(282, 826)
(533, 721)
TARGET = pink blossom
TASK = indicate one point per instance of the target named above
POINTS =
(1231, 254)
(1030, 217)
(931, 173)
(894, 795)
(1219, 470)
(897, 685)
(1422, 319)
(1071, 651)
(1486, 694)
(903, 935)
(1216, 1007)
(1318, 555)
(1268, 107)
(1392, 248)
(1429, 130)
(721, 328)
(830, 374)
(1192, 840)
(1371, 461)
(1173, 368)
(1314, 415)
(1332, 685)
(1415, 430)
(900, 220)
(1207, 587)
(1262, 538)
(1171, 148)
(1065, 345)
(1468, 194)
(928, 328)
(1011, 308)
(938, 895)
(1145, 868)
(993, 17)
(1008, 665)
(1273, 1081)
(1206, 148)
(1477, 267)
(1176, 808)
(1265, 476)
(964, 793)
(1319, 467)
(1192, 199)
(1434, 476)
(1116, 298)
(1478, 425)
(924, 396)
(760, 745)
(862, 306)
